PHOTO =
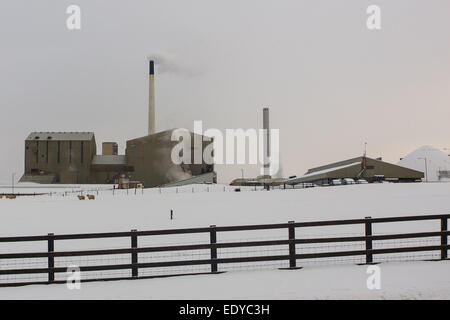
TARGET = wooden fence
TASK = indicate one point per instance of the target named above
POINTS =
(213, 246)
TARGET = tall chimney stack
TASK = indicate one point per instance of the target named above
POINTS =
(151, 99)
(266, 141)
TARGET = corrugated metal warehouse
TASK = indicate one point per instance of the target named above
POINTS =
(358, 168)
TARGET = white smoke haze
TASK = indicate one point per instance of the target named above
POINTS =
(169, 171)
(176, 173)
(166, 63)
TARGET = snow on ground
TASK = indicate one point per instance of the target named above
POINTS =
(436, 160)
(150, 210)
(408, 280)
(204, 205)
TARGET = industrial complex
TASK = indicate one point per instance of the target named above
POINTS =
(71, 157)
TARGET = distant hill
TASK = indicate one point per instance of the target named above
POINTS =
(436, 161)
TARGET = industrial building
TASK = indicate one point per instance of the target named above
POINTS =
(357, 169)
(71, 157)
(154, 152)
(63, 157)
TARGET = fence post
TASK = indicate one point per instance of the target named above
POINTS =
(368, 224)
(444, 238)
(292, 259)
(134, 254)
(51, 258)
(213, 241)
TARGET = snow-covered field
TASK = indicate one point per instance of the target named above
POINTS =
(200, 206)
(407, 280)
(150, 210)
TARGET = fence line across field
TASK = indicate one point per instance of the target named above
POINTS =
(291, 245)
(200, 188)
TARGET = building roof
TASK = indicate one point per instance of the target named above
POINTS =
(323, 171)
(61, 136)
(335, 165)
(109, 160)
(165, 135)
(359, 167)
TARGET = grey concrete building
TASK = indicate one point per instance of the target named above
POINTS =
(59, 157)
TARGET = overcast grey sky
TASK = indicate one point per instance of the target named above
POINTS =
(330, 83)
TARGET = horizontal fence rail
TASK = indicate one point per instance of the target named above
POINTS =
(214, 247)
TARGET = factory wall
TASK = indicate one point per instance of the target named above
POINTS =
(69, 161)
(105, 176)
(109, 173)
